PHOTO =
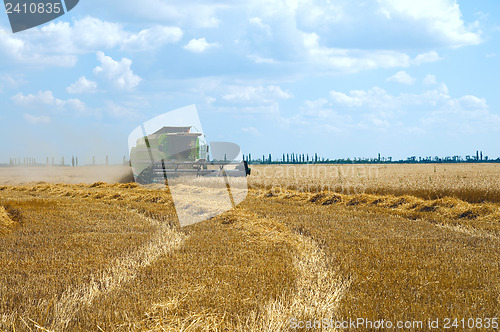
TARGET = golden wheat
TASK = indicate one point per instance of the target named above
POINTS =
(473, 183)
(411, 242)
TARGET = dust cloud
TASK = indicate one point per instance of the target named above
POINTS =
(69, 175)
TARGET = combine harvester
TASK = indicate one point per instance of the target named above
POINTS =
(178, 151)
(204, 181)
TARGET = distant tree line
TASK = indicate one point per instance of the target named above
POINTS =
(305, 158)
(29, 161)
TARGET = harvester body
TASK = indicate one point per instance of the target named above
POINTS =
(176, 151)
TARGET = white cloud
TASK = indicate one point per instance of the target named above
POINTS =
(443, 89)
(195, 15)
(86, 34)
(312, 14)
(118, 73)
(349, 37)
(314, 34)
(257, 22)
(320, 115)
(373, 98)
(148, 39)
(401, 77)
(346, 60)
(82, 85)
(261, 60)
(355, 60)
(441, 20)
(43, 119)
(263, 107)
(41, 98)
(255, 94)
(430, 80)
(9, 81)
(468, 114)
(344, 99)
(427, 57)
(199, 45)
(59, 43)
(90, 34)
(76, 104)
(119, 111)
(375, 109)
(315, 104)
(473, 102)
(378, 99)
(434, 108)
(20, 49)
(46, 99)
(210, 100)
(251, 130)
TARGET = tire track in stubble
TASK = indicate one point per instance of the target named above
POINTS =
(319, 289)
(123, 270)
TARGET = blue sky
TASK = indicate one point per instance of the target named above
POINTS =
(340, 78)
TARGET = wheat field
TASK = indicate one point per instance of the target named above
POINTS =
(312, 244)
(473, 183)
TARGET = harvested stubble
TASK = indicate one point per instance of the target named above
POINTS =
(403, 266)
(105, 256)
(83, 251)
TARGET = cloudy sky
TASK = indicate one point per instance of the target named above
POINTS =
(338, 77)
